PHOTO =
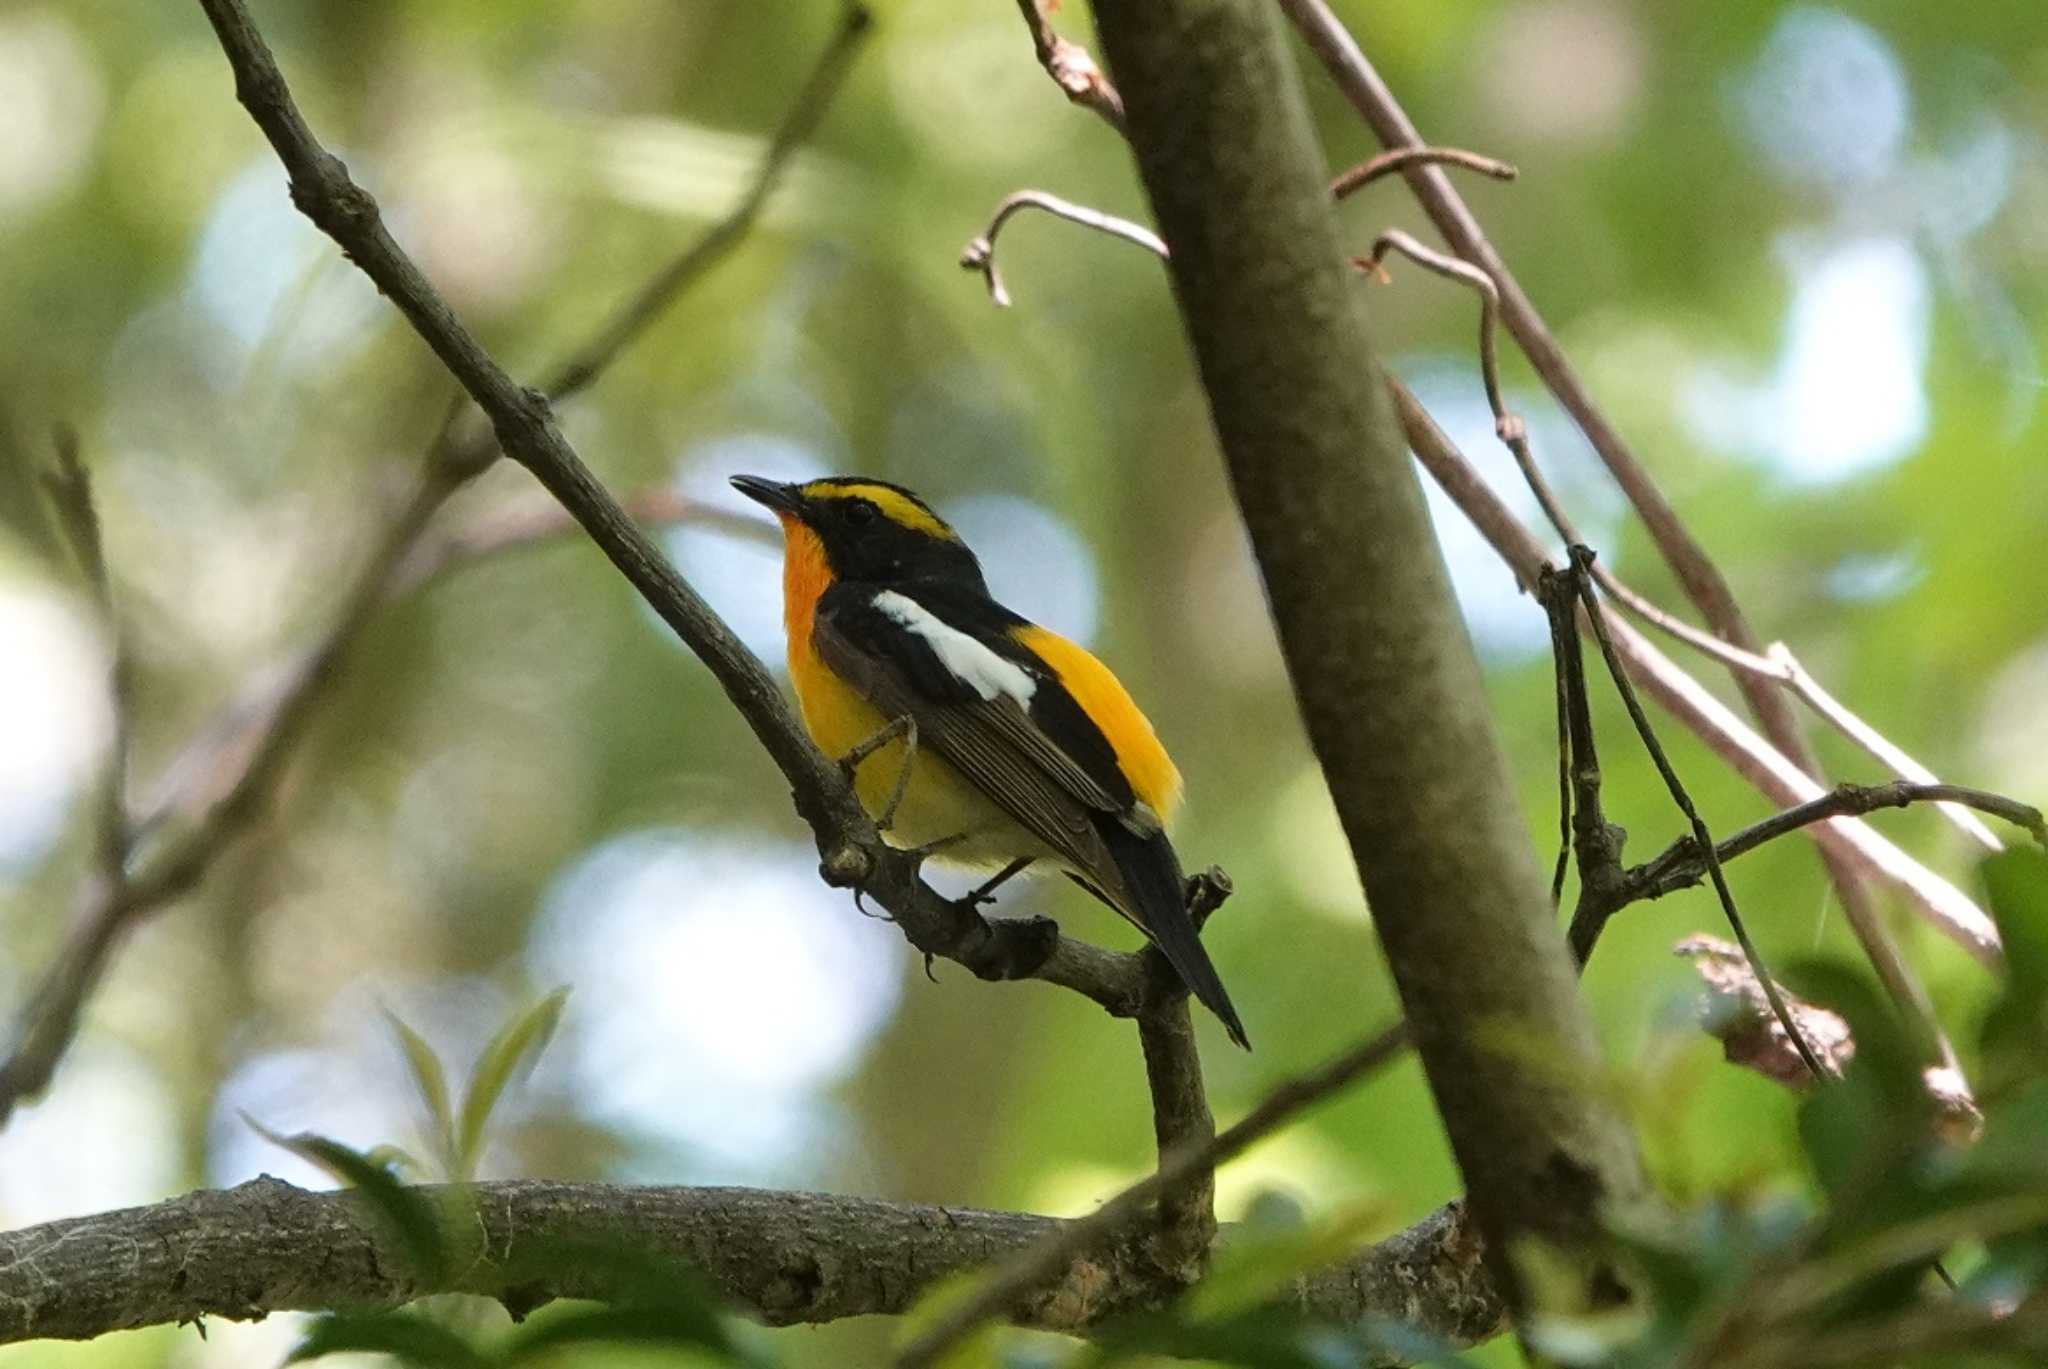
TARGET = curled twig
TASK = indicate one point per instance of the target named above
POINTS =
(980, 253)
(1356, 178)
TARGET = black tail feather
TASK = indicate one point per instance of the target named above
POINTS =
(1158, 904)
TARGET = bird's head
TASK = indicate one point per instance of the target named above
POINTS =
(863, 529)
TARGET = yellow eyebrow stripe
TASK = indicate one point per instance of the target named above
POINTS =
(895, 506)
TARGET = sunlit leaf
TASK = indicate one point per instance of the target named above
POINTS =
(513, 1050)
(429, 1079)
(1255, 1267)
(406, 1212)
(972, 1351)
(405, 1336)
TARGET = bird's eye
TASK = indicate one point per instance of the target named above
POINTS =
(859, 513)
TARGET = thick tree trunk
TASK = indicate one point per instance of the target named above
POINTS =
(1382, 667)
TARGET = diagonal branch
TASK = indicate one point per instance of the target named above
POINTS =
(222, 779)
(852, 852)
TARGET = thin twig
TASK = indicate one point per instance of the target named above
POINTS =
(1680, 865)
(980, 253)
(1582, 560)
(1043, 1262)
(1356, 178)
(1898, 977)
(1071, 66)
(70, 489)
(1596, 842)
(1563, 638)
(1887, 752)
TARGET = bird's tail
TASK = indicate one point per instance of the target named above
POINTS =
(1158, 898)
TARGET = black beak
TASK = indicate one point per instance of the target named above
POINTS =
(770, 493)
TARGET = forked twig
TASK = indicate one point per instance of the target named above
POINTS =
(980, 253)
(1581, 563)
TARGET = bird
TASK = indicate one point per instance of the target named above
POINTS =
(972, 734)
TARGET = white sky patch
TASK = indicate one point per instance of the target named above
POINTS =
(1846, 396)
(718, 991)
(1506, 625)
(271, 279)
(55, 716)
(101, 1139)
(969, 661)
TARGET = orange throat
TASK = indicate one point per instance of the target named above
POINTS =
(805, 576)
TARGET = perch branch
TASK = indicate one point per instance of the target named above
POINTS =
(267, 1246)
(852, 852)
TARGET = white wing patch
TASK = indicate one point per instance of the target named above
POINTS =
(970, 662)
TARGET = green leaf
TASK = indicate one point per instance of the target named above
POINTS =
(430, 1080)
(2016, 1031)
(1253, 1269)
(405, 1336)
(677, 1324)
(2017, 884)
(651, 1298)
(405, 1211)
(516, 1046)
(1266, 1338)
(1880, 1099)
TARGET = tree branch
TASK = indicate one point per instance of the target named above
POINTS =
(785, 1257)
(1381, 666)
(1750, 755)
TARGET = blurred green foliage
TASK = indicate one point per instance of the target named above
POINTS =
(250, 410)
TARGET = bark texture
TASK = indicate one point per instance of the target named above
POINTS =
(1382, 668)
(267, 1246)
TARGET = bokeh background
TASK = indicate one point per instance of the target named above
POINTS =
(1798, 250)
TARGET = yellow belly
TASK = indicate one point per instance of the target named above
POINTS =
(939, 804)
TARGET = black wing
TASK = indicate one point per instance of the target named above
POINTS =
(1044, 762)
(1055, 783)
